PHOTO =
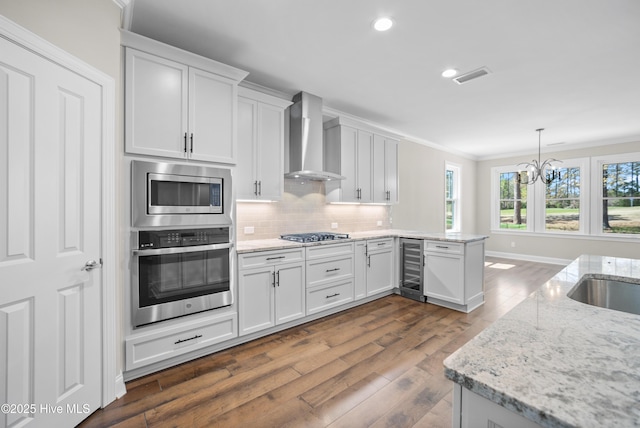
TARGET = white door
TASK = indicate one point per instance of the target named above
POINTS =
(50, 308)
(290, 293)
(256, 305)
(270, 155)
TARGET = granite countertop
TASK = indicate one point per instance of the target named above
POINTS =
(280, 244)
(558, 362)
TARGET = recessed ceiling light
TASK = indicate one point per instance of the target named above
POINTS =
(449, 72)
(383, 24)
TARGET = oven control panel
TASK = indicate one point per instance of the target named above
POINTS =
(182, 237)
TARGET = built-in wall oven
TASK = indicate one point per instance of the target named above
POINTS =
(182, 246)
(180, 272)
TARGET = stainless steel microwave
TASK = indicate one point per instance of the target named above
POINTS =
(167, 194)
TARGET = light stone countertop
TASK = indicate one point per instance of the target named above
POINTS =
(281, 244)
(558, 362)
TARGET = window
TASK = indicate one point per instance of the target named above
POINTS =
(512, 200)
(452, 198)
(562, 201)
(619, 201)
(554, 208)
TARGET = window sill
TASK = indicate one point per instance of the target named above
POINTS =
(603, 237)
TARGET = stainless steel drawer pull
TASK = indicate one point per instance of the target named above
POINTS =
(276, 258)
(197, 336)
(381, 243)
(333, 295)
(442, 246)
(333, 270)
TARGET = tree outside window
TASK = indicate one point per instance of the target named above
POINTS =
(513, 200)
(562, 207)
(621, 198)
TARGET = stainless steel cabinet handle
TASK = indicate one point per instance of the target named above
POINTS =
(369, 261)
(333, 270)
(278, 278)
(176, 250)
(333, 295)
(273, 279)
(260, 188)
(381, 243)
(255, 188)
(275, 258)
(91, 265)
(444, 247)
(191, 149)
(185, 142)
(197, 336)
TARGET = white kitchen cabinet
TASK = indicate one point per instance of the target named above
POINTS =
(159, 344)
(454, 274)
(366, 157)
(329, 276)
(260, 169)
(380, 265)
(272, 292)
(360, 270)
(349, 152)
(385, 170)
(472, 410)
(178, 104)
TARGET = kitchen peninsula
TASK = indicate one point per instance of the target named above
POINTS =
(553, 361)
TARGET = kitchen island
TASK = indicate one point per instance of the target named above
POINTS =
(553, 361)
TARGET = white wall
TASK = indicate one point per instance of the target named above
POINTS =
(421, 175)
(545, 246)
(89, 30)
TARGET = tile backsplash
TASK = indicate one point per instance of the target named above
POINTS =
(303, 208)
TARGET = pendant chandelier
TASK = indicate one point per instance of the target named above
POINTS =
(536, 169)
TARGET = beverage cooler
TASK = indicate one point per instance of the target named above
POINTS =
(412, 269)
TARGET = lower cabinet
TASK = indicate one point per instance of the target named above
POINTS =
(454, 274)
(360, 270)
(330, 275)
(471, 410)
(270, 295)
(380, 263)
(161, 344)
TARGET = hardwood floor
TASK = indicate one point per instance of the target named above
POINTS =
(376, 365)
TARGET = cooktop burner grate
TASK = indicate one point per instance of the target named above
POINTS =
(314, 236)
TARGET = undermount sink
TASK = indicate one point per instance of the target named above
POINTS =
(613, 294)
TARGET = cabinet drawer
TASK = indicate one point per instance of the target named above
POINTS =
(444, 247)
(326, 270)
(329, 250)
(163, 344)
(269, 258)
(379, 244)
(336, 294)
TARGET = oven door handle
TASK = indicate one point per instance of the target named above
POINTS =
(180, 250)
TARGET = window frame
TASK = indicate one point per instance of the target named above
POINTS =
(597, 163)
(456, 200)
(541, 195)
(495, 201)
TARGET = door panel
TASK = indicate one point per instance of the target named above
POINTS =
(50, 307)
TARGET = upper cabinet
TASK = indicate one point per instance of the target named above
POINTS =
(366, 157)
(260, 168)
(385, 170)
(178, 104)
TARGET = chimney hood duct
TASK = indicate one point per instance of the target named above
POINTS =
(306, 148)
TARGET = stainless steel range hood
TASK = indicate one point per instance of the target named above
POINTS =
(306, 152)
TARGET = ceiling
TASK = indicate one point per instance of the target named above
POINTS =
(570, 66)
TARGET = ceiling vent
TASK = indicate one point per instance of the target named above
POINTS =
(464, 78)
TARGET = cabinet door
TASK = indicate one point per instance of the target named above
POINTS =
(290, 292)
(391, 171)
(256, 299)
(245, 180)
(364, 164)
(212, 113)
(156, 105)
(360, 270)
(379, 271)
(270, 168)
(379, 177)
(348, 162)
(444, 277)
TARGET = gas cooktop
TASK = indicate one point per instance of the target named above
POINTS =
(314, 236)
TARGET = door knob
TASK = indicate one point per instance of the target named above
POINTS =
(91, 265)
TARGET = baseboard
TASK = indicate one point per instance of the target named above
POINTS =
(120, 387)
(528, 257)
